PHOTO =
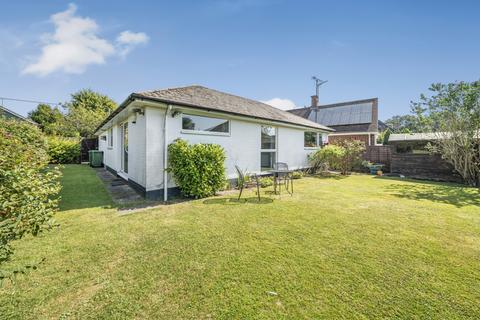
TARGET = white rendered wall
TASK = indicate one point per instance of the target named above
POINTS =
(291, 148)
(242, 146)
(136, 149)
(154, 148)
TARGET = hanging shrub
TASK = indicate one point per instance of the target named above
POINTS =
(198, 169)
(28, 186)
(63, 150)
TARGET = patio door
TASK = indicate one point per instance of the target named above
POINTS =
(124, 149)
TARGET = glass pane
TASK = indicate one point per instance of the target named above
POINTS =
(310, 139)
(267, 159)
(198, 123)
(268, 137)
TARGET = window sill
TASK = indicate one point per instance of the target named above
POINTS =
(311, 148)
(206, 133)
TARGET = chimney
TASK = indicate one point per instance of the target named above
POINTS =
(314, 101)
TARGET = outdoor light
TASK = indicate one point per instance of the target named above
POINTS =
(136, 112)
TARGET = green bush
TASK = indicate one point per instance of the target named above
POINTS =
(28, 187)
(326, 158)
(63, 150)
(343, 157)
(297, 175)
(265, 182)
(198, 169)
(351, 155)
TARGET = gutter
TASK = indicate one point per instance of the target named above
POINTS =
(165, 154)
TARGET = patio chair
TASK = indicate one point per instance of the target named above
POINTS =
(244, 182)
(281, 177)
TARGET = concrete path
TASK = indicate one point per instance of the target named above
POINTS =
(118, 188)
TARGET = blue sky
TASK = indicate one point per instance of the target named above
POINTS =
(262, 49)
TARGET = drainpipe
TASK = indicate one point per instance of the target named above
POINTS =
(165, 154)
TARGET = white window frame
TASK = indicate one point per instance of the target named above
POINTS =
(317, 142)
(269, 150)
(203, 132)
(110, 138)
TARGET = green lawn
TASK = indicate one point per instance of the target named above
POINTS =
(355, 247)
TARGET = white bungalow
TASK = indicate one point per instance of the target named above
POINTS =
(134, 138)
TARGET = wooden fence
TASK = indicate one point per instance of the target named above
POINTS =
(86, 145)
(379, 154)
(423, 166)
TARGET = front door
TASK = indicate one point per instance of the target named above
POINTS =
(125, 147)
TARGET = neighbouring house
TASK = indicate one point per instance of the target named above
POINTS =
(410, 158)
(9, 114)
(134, 137)
(353, 120)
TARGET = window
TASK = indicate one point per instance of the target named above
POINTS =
(268, 153)
(310, 139)
(205, 124)
(110, 137)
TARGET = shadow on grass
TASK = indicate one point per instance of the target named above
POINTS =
(449, 193)
(235, 201)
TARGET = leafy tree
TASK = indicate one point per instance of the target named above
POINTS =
(384, 136)
(47, 117)
(28, 187)
(403, 124)
(452, 112)
(85, 112)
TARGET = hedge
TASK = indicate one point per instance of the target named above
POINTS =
(63, 150)
(198, 170)
(28, 186)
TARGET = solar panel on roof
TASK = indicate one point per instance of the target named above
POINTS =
(344, 115)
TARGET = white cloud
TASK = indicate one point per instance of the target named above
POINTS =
(283, 104)
(75, 44)
(127, 40)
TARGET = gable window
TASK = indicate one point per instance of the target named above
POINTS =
(205, 124)
(310, 139)
(110, 137)
(268, 148)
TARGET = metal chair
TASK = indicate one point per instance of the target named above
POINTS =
(243, 182)
(281, 176)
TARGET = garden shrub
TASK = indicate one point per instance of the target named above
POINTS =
(265, 182)
(351, 156)
(297, 175)
(198, 169)
(63, 150)
(326, 158)
(28, 186)
(343, 156)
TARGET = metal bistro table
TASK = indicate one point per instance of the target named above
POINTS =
(277, 173)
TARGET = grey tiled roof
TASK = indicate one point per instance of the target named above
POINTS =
(205, 98)
(301, 112)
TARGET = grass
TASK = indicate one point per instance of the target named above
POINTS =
(355, 247)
